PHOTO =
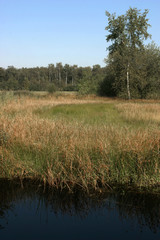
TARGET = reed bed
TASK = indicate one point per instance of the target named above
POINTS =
(69, 153)
(142, 112)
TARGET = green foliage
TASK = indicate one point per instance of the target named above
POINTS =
(70, 87)
(91, 80)
(106, 86)
(128, 31)
(64, 78)
(128, 57)
(51, 88)
(86, 87)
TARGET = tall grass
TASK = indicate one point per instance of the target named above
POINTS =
(92, 143)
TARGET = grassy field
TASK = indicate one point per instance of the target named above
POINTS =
(68, 141)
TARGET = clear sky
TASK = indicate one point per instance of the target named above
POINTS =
(39, 32)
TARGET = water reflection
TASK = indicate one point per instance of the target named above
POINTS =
(145, 207)
(64, 211)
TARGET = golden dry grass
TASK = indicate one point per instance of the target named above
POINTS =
(66, 154)
(137, 111)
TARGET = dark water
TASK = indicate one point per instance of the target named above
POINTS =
(29, 213)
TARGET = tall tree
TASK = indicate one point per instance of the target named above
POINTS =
(127, 34)
(59, 72)
(74, 73)
(51, 72)
(2, 78)
(66, 70)
(152, 59)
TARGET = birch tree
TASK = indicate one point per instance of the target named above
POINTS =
(126, 34)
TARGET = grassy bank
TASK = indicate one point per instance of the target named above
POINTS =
(94, 143)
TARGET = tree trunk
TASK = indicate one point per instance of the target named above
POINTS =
(128, 84)
(59, 76)
(66, 79)
(49, 76)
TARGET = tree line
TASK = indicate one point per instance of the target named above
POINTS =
(132, 69)
(51, 78)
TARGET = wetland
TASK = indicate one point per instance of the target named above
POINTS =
(79, 167)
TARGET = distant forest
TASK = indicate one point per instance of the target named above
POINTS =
(132, 69)
(52, 78)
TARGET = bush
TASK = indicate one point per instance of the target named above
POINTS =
(70, 88)
(51, 88)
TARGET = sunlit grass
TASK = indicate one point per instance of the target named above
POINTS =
(93, 142)
(93, 113)
(142, 112)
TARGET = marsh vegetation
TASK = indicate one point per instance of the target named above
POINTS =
(66, 141)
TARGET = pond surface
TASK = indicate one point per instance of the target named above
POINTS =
(29, 213)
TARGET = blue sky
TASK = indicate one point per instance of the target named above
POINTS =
(40, 32)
